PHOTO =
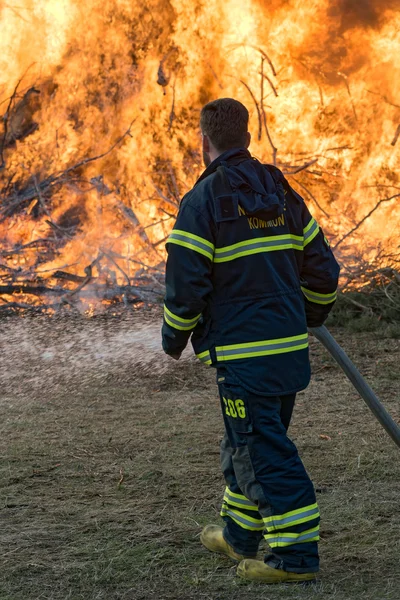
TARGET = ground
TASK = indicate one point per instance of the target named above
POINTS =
(109, 467)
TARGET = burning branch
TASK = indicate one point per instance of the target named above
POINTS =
(132, 218)
(295, 170)
(384, 98)
(20, 249)
(262, 52)
(259, 113)
(313, 198)
(262, 119)
(166, 66)
(274, 149)
(86, 161)
(273, 88)
(165, 199)
(396, 136)
(6, 118)
(345, 79)
(36, 290)
(172, 112)
(116, 265)
(57, 179)
(88, 278)
(378, 204)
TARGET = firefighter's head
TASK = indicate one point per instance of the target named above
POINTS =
(224, 125)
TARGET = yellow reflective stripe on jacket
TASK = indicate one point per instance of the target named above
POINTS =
(276, 540)
(205, 357)
(262, 348)
(191, 241)
(178, 323)
(294, 517)
(245, 248)
(319, 298)
(310, 231)
(239, 500)
(242, 519)
(256, 245)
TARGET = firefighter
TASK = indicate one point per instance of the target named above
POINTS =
(248, 270)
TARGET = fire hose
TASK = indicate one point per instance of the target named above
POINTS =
(358, 381)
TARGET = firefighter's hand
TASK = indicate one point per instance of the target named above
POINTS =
(316, 315)
(175, 354)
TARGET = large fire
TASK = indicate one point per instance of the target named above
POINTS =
(99, 136)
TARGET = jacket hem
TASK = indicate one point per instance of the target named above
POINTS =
(263, 392)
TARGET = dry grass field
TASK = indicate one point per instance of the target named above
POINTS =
(109, 468)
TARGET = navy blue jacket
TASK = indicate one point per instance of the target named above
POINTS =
(246, 262)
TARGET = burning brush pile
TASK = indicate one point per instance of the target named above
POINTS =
(99, 134)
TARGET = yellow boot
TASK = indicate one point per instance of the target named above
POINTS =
(256, 570)
(212, 538)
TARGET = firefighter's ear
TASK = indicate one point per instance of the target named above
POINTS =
(248, 139)
(206, 143)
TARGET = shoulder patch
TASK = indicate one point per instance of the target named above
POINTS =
(226, 201)
(227, 208)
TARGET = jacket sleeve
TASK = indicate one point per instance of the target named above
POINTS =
(190, 249)
(319, 273)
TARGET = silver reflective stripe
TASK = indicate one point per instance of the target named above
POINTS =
(281, 523)
(269, 347)
(247, 523)
(319, 298)
(255, 246)
(283, 540)
(179, 322)
(205, 357)
(310, 231)
(191, 241)
(262, 348)
(240, 502)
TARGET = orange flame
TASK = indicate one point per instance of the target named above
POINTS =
(321, 80)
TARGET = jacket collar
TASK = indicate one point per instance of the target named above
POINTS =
(232, 157)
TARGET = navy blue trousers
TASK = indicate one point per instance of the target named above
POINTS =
(268, 490)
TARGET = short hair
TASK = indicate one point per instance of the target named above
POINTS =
(225, 122)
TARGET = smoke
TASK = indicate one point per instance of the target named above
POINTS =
(365, 13)
(346, 31)
(330, 36)
(347, 13)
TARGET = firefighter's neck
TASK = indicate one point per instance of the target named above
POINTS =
(210, 153)
(213, 154)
